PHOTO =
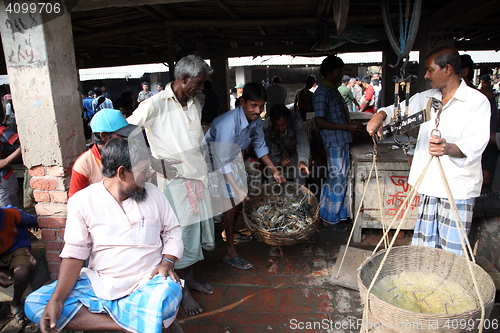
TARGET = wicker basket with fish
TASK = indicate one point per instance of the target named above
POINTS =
(283, 214)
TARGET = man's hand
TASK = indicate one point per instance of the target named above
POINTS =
(285, 162)
(242, 196)
(49, 317)
(437, 146)
(279, 177)
(303, 167)
(167, 169)
(166, 269)
(5, 280)
(374, 126)
(354, 127)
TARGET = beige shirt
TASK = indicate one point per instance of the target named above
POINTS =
(173, 134)
(124, 246)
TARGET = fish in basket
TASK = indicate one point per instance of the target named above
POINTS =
(282, 214)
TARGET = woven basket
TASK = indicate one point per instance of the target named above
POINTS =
(286, 190)
(425, 260)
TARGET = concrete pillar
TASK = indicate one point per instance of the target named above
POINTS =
(240, 75)
(220, 80)
(44, 84)
(389, 57)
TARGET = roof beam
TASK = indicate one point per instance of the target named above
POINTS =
(151, 12)
(461, 13)
(165, 11)
(99, 4)
(228, 9)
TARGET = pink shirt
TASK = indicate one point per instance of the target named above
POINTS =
(124, 245)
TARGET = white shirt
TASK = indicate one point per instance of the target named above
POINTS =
(464, 121)
(124, 245)
(173, 134)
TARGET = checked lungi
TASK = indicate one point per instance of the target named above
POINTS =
(333, 194)
(143, 311)
(436, 225)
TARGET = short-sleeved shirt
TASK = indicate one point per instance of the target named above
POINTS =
(143, 96)
(329, 105)
(9, 141)
(106, 104)
(367, 96)
(233, 127)
(346, 94)
(87, 170)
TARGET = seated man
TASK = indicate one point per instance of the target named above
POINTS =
(15, 255)
(284, 130)
(107, 124)
(132, 238)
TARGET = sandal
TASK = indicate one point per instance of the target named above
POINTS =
(239, 237)
(19, 315)
(237, 262)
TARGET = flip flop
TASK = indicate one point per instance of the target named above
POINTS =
(237, 262)
(19, 315)
(338, 227)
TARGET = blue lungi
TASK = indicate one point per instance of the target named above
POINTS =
(333, 193)
(143, 311)
(436, 225)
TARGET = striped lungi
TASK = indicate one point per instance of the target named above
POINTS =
(143, 311)
(436, 225)
(333, 194)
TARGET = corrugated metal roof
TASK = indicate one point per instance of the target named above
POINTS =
(121, 72)
(483, 57)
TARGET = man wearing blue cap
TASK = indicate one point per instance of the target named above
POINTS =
(107, 124)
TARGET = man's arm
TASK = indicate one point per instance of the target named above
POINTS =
(69, 272)
(276, 174)
(303, 147)
(5, 162)
(439, 147)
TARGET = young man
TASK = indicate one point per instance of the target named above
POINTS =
(284, 130)
(144, 93)
(229, 134)
(368, 99)
(10, 151)
(332, 118)
(107, 124)
(346, 93)
(171, 119)
(129, 233)
(464, 127)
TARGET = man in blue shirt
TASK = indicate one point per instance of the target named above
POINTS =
(229, 134)
(332, 118)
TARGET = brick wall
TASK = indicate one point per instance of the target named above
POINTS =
(486, 238)
(50, 188)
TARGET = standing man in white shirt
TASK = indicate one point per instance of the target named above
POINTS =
(129, 233)
(464, 127)
(172, 120)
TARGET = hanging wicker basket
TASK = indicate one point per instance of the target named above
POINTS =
(286, 190)
(420, 262)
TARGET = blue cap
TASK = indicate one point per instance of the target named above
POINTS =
(111, 121)
(240, 85)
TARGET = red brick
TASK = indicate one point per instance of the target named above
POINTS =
(210, 302)
(230, 318)
(49, 234)
(249, 299)
(320, 267)
(265, 319)
(37, 171)
(47, 184)
(51, 222)
(286, 300)
(59, 196)
(55, 171)
(303, 267)
(267, 300)
(60, 233)
(54, 276)
(189, 328)
(272, 266)
(41, 196)
(52, 256)
(305, 301)
(288, 266)
(51, 209)
(53, 267)
(232, 295)
(254, 280)
(324, 302)
(53, 245)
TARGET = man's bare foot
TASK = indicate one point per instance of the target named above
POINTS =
(204, 288)
(189, 304)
